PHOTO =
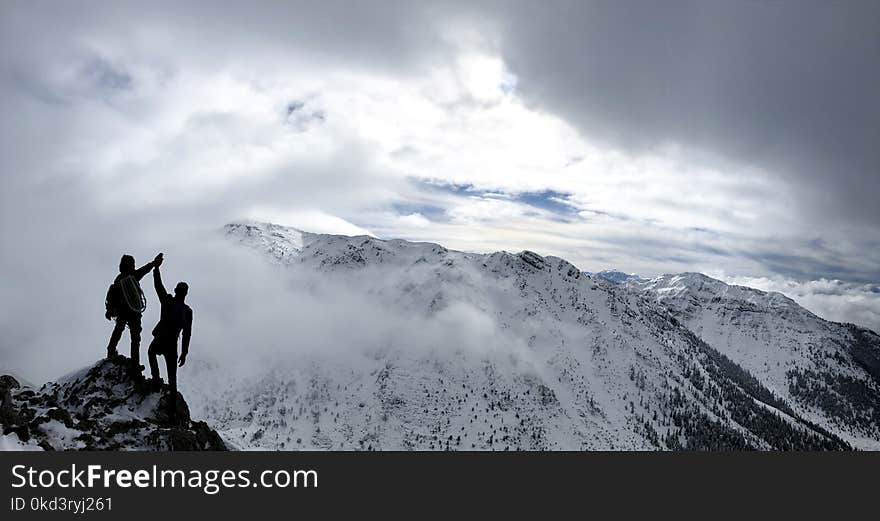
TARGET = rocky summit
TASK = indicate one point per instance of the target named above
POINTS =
(99, 408)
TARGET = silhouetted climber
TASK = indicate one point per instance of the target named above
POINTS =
(126, 302)
(176, 317)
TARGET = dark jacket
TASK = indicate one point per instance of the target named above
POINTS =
(175, 317)
(115, 300)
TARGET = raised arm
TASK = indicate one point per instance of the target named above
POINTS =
(143, 270)
(160, 288)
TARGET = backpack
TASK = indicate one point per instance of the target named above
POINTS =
(111, 302)
(125, 295)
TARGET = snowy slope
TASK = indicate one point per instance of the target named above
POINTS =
(550, 359)
(828, 372)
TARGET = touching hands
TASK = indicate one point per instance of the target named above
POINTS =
(181, 361)
(158, 260)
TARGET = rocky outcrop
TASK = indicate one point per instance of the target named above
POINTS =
(102, 408)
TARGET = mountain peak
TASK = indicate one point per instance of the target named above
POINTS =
(693, 284)
(614, 276)
(281, 242)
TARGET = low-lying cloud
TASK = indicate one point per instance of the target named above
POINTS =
(250, 314)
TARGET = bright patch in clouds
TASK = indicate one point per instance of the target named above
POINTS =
(461, 123)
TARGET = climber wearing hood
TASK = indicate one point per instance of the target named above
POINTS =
(176, 318)
(126, 303)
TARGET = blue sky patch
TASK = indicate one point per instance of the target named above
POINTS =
(549, 200)
(103, 75)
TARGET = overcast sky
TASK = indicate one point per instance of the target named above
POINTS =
(735, 138)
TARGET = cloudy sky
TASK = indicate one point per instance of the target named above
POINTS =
(735, 138)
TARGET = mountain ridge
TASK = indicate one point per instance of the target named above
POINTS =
(593, 345)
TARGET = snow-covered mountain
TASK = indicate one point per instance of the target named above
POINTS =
(828, 371)
(520, 351)
(614, 276)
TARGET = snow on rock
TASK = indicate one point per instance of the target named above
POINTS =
(575, 362)
(99, 408)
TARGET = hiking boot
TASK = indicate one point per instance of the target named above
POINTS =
(112, 353)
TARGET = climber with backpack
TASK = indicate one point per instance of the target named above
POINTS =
(126, 303)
